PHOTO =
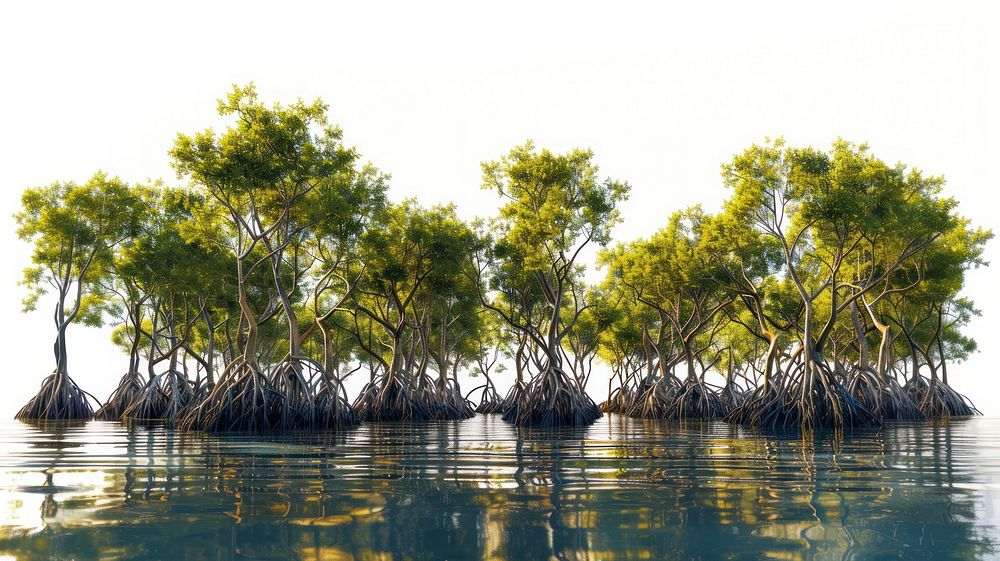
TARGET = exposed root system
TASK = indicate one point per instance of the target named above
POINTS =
(511, 403)
(937, 399)
(652, 399)
(166, 396)
(244, 399)
(763, 407)
(294, 394)
(390, 399)
(293, 379)
(694, 400)
(732, 396)
(58, 398)
(448, 404)
(332, 408)
(490, 401)
(201, 390)
(620, 400)
(552, 400)
(490, 407)
(797, 403)
(884, 398)
(129, 388)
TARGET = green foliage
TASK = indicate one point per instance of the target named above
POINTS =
(285, 245)
(73, 230)
(554, 205)
(414, 270)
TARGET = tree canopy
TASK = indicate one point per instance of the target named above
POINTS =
(826, 290)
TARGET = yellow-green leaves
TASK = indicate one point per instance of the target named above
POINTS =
(73, 229)
(553, 204)
(265, 166)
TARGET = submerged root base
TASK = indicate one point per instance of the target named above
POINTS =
(826, 404)
(937, 399)
(293, 395)
(550, 400)
(690, 400)
(394, 398)
(165, 397)
(621, 400)
(390, 400)
(129, 387)
(654, 400)
(491, 407)
(886, 399)
(732, 396)
(332, 408)
(244, 399)
(293, 380)
(511, 403)
(490, 403)
(453, 408)
(59, 398)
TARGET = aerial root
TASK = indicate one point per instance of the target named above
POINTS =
(298, 394)
(695, 400)
(511, 403)
(490, 406)
(490, 401)
(732, 395)
(243, 399)
(883, 397)
(551, 400)
(761, 408)
(449, 404)
(665, 398)
(202, 388)
(332, 408)
(293, 379)
(129, 387)
(653, 399)
(937, 399)
(796, 404)
(621, 400)
(294, 394)
(59, 398)
(390, 399)
(165, 397)
(826, 404)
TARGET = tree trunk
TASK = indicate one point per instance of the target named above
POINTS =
(210, 352)
(771, 358)
(944, 363)
(327, 350)
(249, 351)
(689, 358)
(859, 332)
(59, 347)
(520, 360)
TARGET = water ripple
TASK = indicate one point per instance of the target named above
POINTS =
(481, 489)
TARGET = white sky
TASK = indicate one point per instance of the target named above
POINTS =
(427, 91)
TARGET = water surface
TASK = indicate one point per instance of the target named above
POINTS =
(479, 489)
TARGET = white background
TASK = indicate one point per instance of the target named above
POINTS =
(427, 91)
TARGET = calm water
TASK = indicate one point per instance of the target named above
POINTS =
(622, 489)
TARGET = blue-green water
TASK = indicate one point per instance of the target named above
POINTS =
(480, 489)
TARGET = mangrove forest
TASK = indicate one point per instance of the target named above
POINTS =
(826, 291)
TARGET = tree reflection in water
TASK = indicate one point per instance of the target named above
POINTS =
(480, 489)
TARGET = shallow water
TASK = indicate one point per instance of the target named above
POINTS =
(479, 489)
